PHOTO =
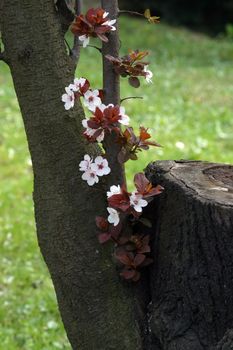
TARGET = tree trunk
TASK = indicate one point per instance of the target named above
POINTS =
(192, 279)
(97, 311)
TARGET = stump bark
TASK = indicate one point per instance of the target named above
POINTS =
(192, 278)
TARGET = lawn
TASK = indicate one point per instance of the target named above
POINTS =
(189, 111)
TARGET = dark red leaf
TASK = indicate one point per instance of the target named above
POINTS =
(125, 258)
(154, 191)
(104, 237)
(134, 81)
(123, 155)
(101, 94)
(139, 258)
(116, 230)
(144, 135)
(102, 223)
(103, 37)
(83, 89)
(120, 201)
(141, 182)
(128, 274)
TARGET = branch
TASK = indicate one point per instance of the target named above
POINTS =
(134, 13)
(111, 87)
(93, 46)
(68, 46)
(75, 53)
(129, 98)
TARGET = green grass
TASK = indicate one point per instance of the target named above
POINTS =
(189, 111)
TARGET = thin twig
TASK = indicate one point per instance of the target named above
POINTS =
(94, 47)
(129, 98)
(134, 13)
(68, 45)
(75, 53)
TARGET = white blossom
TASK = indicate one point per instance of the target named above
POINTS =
(93, 169)
(114, 190)
(85, 39)
(149, 74)
(124, 118)
(90, 176)
(85, 164)
(110, 24)
(113, 217)
(137, 202)
(68, 98)
(105, 14)
(91, 99)
(100, 166)
(78, 82)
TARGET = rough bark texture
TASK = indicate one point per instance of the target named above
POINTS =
(192, 279)
(98, 313)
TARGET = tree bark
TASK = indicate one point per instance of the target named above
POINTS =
(97, 311)
(111, 87)
(192, 279)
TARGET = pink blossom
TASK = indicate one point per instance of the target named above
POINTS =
(90, 176)
(149, 74)
(93, 169)
(105, 14)
(137, 202)
(85, 164)
(114, 190)
(124, 119)
(78, 82)
(68, 98)
(110, 24)
(100, 166)
(113, 217)
(85, 39)
(91, 99)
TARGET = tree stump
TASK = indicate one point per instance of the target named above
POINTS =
(192, 278)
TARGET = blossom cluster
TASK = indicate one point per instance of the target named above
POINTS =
(104, 120)
(132, 144)
(81, 88)
(95, 23)
(92, 169)
(124, 209)
(122, 202)
(132, 249)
